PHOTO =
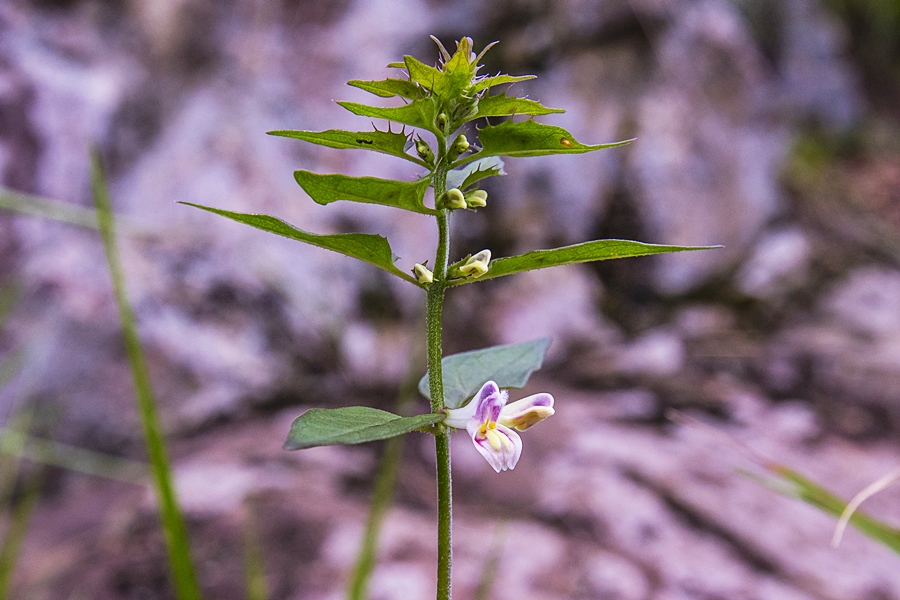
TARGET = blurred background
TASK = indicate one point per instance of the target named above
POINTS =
(771, 127)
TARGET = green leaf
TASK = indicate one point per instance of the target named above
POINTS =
(373, 249)
(388, 88)
(351, 425)
(579, 253)
(528, 138)
(505, 106)
(386, 142)
(326, 189)
(508, 366)
(474, 172)
(489, 82)
(419, 113)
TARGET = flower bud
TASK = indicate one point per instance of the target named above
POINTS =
(452, 199)
(477, 265)
(442, 121)
(423, 275)
(424, 151)
(476, 199)
(460, 145)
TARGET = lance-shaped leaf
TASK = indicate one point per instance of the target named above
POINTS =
(509, 366)
(474, 172)
(419, 113)
(350, 425)
(505, 106)
(529, 138)
(388, 88)
(326, 189)
(373, 249)
(489, 82)
(578, 253)
(386, 142)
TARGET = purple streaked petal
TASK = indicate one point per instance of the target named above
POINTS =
(488, 410)
(501, 447)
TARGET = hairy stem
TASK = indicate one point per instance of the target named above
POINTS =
(434, 311)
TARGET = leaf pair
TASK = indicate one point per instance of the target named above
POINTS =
(463, 374)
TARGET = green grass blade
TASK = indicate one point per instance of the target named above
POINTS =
(18, 527)
(254, 569)
(184, 578)
(14, 442)
(51, 209)
(814, 494)
(382, 495)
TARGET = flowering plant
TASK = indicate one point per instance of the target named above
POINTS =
(442, 103)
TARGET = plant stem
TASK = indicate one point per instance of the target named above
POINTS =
(434, 313)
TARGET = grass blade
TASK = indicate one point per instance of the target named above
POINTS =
(18, 527)
(43, 207)
(184, 578)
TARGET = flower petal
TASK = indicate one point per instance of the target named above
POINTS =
(489, 408)
(459, 417)
(501, 447)
(526, 412)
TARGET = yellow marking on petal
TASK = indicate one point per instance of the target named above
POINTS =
(494, 438)
(507, 443)
(528, 418)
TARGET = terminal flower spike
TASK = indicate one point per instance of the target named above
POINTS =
(491, 422)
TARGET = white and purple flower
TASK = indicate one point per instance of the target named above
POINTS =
(491, 421)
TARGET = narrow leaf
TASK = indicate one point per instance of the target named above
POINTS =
(351, 425)
(386, 142)
(373, 249)
(326, 189)
(508, 366)
(528, 138)
(812, 493)
(489, 82)
(578, 253)
(505, 106)
(474, 172)
(388, 88)
(419, 113)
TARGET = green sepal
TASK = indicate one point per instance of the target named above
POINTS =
(350, 425)
(369, 248)
(507, 106)
(578, 253)
(528, 138)
(474, 172)
(419, 113)
(325, 189)
(388, 88)
(509, 366)
(386, 142)
(489, 82)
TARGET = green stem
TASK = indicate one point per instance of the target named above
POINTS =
(434, 313)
